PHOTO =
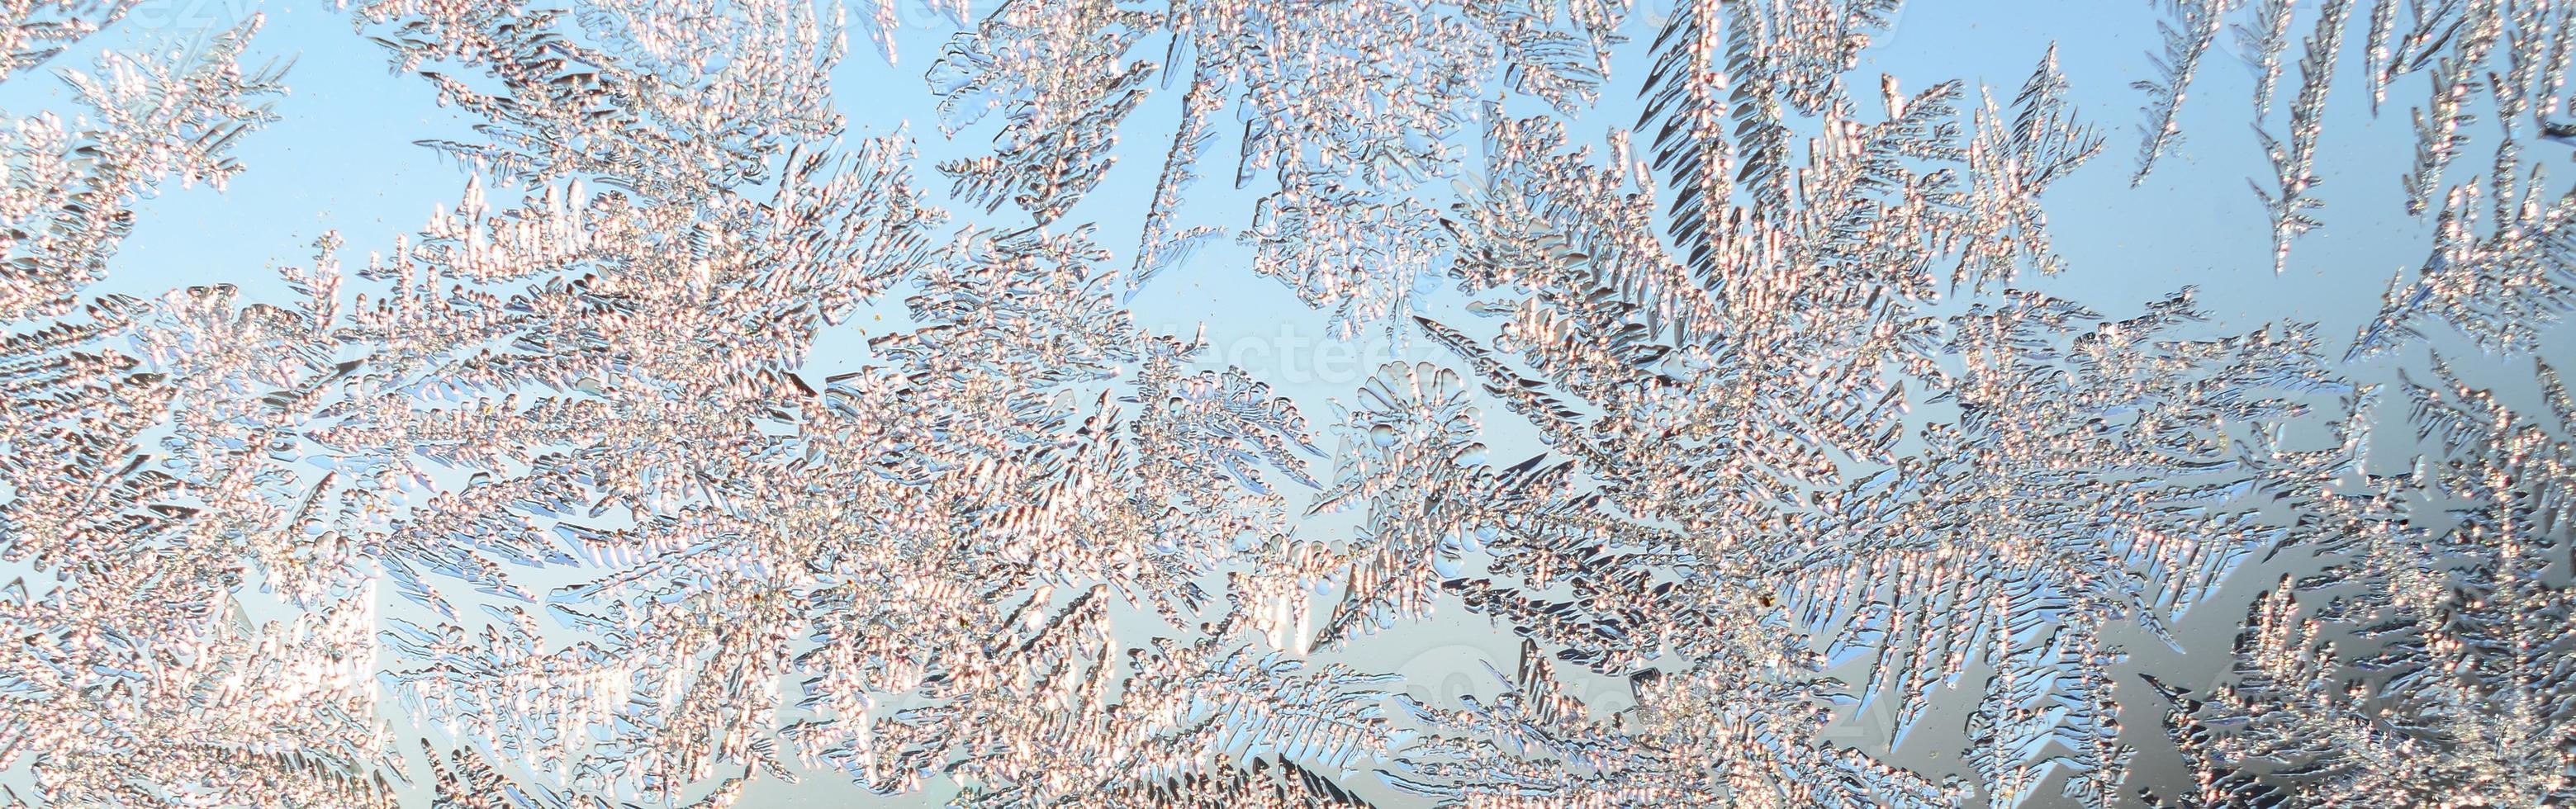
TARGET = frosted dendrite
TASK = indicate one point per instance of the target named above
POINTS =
(71, 183)
(2156, 491)
(2497, 271)
(1737, 733)
(2263, 39)
(2504, 61)
(136, 451)
(1759, 408)
(2294, 162)
(1056, 69)
(2499, 274)
(33, 31)
(559, 373)
(1524, 546)
(870, 535)
(2011, 160)
(2430, 665)
(1341, 160)
(1743, 66)
(2194, 26)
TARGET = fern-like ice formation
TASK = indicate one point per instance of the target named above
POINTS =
(2435, 671)
(553, 501)
(2505, 62)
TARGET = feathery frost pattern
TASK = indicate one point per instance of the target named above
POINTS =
(719, 445)
(2455, 683)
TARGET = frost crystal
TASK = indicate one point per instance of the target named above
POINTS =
(2437, 671)
(1767, 444)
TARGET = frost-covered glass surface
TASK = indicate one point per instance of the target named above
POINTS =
(601, 403)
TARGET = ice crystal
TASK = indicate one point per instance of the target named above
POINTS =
(2497, 270)
(2437, 674)
(707, 441)
(2502, 280)
(2294, 163)
(133, 675)
(1666, 387)
(32, 31)
(1346, 107)
(2194, 27)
